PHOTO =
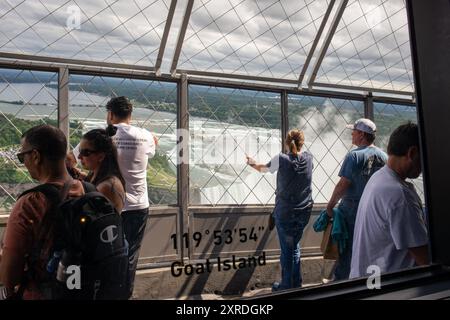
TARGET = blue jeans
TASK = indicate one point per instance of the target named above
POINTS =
(290, 228)
(134, 222)
(343, 264)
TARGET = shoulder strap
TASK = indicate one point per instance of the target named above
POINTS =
(88, 187)
(53, 195)
(51, 191)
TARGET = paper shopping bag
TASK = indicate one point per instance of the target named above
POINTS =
(329, 249)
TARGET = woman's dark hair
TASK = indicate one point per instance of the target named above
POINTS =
(121, 107)
(403, 138)
(48, 140)
(101, 141)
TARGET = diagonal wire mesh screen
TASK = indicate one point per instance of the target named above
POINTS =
(323, 122)
(111, 31)
(246, 37)
(257, 38)
(370, 47)
(154, 108)
(27, 99)
(389, 116)
(225, 125)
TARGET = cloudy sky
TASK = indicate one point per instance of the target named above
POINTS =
(253, 37)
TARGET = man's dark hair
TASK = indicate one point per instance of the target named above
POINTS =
(48, 140)
(370, 137)
(121, 107)
(403, 138)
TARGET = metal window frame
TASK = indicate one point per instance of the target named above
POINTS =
(284, 93)
(284, 117)
(430, 53)
(316, 42)
(75, 62)
(184, 78)
(275, 88)
(121, 68)
(165, 36)
(174, 72)
(181, 35)
(326, 43)
(183, 168)
(183, 82)
(63, 102)
(30, 62)
(366, 89)
(368, 107)
(65, 70)
(235, 76)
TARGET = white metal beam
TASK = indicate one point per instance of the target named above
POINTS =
(35, 58)
(162, 47)
(316, 42)
(326, 43)
(366, 89)
(234, 76)
(181, 34)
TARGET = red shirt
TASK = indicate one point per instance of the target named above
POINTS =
(23, 228)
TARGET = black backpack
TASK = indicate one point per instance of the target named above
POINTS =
(88, 241)
(372, 165)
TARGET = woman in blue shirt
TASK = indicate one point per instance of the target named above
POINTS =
(293, 204)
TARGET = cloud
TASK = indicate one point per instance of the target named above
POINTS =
(106, 27)
(266, 38)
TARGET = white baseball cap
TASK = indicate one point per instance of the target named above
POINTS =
(364, 125)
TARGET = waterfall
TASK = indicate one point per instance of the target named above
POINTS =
(255, 188)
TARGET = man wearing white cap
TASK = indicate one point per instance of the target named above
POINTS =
(358, 166)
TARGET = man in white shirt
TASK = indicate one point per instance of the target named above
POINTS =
(390, 229)
(135, 146)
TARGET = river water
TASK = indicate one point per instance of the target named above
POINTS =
(218, 173)
(217, 150)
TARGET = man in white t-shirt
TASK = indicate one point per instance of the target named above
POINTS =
(390, 229)
(135, 146)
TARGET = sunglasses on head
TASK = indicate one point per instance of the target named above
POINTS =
(21, 155)
(86, 152)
